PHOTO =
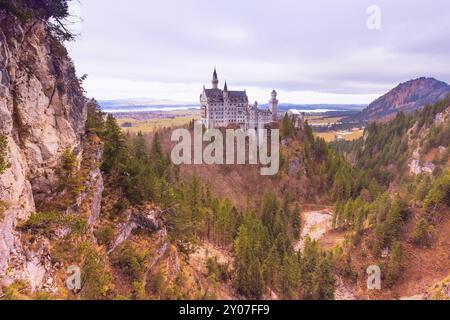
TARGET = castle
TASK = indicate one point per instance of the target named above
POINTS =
(223, 108)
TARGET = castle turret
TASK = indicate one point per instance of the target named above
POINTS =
(273, 105)
(215, 80)
(225, 91)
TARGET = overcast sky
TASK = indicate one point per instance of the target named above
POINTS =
(310, 51)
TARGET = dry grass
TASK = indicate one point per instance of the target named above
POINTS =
(315, 119)
(422, 267)
(152, 125)
(163, 119)
(331, 135)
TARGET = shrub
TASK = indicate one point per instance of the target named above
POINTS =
(218, 270)
(157, 283)
(41, 222)
(53, 12)
(105, 234)
(439, 195)
(96, 278)
(16, 291)
(48, 222)
(3, 153)
(131, 261)
(421, 233)
(394, 266)
(3, 208)
(70, 178)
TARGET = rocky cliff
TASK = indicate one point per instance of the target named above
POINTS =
(42, 114)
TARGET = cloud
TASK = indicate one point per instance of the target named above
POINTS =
(152, 48)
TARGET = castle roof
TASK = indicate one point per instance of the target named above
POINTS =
(216, 95)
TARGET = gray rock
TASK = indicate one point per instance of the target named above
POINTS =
(42, 113)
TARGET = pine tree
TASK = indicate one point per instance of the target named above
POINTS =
(269, 210)
(137, 180)
(309, 261)
(323, 279)
(296, 222)
(115, 149)
(290, 271)
(157, 158)
(287, 127)
(420, 235)
(70, 179)
(251, 250)
(439, 195)
(95, 122)
(394, 266)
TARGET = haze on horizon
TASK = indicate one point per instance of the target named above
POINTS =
(310, 52)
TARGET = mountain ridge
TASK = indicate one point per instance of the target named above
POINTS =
(407, 97)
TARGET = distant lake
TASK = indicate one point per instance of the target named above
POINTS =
(123, 107)
(135, 109)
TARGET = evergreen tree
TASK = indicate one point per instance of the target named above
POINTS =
(296, 222)
(70, 179)
(290, 276)
(269, 211)
(324, 282)
(309, 261)
(53, 12)
(287, 127)
(420, 235)
(137, 180)
(94, 121)
(394, 266)
(157, 157)
(250, 250)
(439, 195)
(115, 149)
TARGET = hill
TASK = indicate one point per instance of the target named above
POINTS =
(400, 220)
(406, 97)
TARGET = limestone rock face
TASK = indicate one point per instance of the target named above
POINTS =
(42, 113)
(147, 218)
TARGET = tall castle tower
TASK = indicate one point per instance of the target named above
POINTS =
(225, 91)
(215, 80)
(273, 105)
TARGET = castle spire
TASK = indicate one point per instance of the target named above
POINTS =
(226, 87)
(215, 79)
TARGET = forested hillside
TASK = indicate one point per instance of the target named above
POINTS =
(259, 241)
(406, 97)
(405, 205)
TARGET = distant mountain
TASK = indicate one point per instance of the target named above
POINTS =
(315, 107)
(141, 102)
(406, 97)
(143, 105)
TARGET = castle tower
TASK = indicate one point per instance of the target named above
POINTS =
(273, 105)
(215, 80)
(225, 91)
